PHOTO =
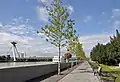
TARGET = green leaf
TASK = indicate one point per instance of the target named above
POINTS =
(47, 40)
(38, 32)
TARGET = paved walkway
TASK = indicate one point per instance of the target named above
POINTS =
(56, 78)
(83, 73)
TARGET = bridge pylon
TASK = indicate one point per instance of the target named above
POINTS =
(14, 50)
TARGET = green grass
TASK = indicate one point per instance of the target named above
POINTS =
(108, 68)
(117, 79)
(114, 70)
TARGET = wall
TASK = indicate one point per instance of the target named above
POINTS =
(21, 74)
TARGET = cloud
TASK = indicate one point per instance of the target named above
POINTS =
(102, 13)
(90, 41)
(114, 20)
(33, 46)
(18, 26)
(6, 38)
(1, 24)
(116, 24)
(43, 1)
(70, 9)
(21, 31)
(42, 13)
(87, 19)
(116, 13)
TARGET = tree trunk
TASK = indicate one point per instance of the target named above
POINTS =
(59, 61)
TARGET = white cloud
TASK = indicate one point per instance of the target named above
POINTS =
(87, 19)
(18, 26)
(33, 46)
(37, 45)
(70, 9)
(6, 38)
(1, 24)
(103, 13)
(90, 41)
(116, 13)
(42, 13)
(114, 21)
(43, 1)
(116, 24)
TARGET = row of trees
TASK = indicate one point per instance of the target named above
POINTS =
(107, 54)
(59, 31)
(5, 58)
(75, 47)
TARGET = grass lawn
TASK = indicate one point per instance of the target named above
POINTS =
(108, 68)
(117, 79)
(114, 70)
(117, 74)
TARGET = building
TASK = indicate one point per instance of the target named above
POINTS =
(23, 55)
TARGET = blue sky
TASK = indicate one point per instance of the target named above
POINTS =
(95, 21)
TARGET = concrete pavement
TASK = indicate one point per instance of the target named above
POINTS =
(56, 78)
(82, 73)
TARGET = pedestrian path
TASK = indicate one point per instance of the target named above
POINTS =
(82, 73)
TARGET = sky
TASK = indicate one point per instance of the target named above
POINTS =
(95, 21)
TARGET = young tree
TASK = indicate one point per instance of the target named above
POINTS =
(58, 31)
(75, 47)
(79, 51)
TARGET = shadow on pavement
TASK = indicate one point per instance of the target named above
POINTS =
(87, 71)
(82, 69)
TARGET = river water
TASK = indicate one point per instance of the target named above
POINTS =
(21, 64)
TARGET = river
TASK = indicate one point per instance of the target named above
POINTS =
(21, 64)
